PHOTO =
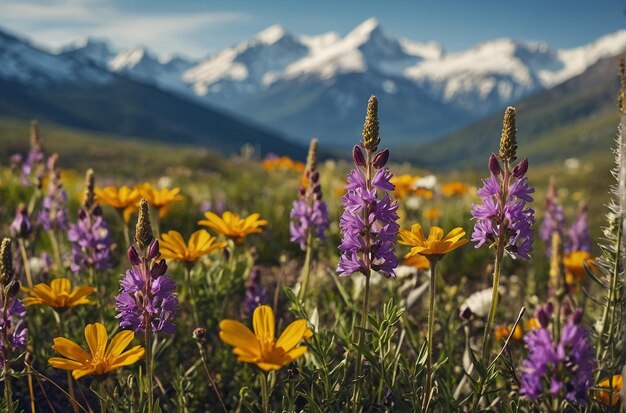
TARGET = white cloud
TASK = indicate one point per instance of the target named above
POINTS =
(59, 22)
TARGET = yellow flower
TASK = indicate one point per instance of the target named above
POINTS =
(574, 265)
(284, 162)
(423, 192)
(404, 184)
(432, 214)
(102, 360)
(503, 332)
(123, 199)
(173, 246)
(417, 261)
(261, 347)
(232, 225)
(161, 199)
(454, 188)
(58, 294)
(436, 244)
(532, 324)
(603, 395)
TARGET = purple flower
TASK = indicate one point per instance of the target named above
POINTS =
(21, 227)
(147, 294)
(53, 213)
(35, 159)
(580, 238)
(553, 220)
(91, 241)
(509, 217)
(17, 333)
(369, 220)
(256, 294)
(560, 369)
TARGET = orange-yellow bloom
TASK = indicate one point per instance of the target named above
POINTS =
(161, 199)
(173, 246)
(58, 294)
(404, 184)
(454, 188)
(102, 360)
(284, 162)
(435, 245)
(123, 199)
(232, 225)
(432, 214)
(574, 265)
(603, 395)
(417, 261)
(503, 332)
(532, 324)
(261, 347)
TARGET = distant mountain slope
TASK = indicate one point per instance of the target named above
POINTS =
(575, 119)
(82, 94)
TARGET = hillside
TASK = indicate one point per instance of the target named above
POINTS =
(575, 119)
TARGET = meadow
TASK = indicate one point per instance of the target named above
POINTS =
(144, 278)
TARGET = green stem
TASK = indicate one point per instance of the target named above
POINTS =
(102, 389)
(203, 356)
(431, 327)
(148, 347)
(29, 277)
(126, 233)
(364, 317)
(265, 397)
(192, 297)
(494, 295)
(306, 269)
(70, 383)
(99, 293)
(56, 250)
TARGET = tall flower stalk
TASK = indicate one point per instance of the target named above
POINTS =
(21, 228)
(53, 214)
(369, 220)
(309, 215)
(13, 332)
(502, 219)
(147, 301)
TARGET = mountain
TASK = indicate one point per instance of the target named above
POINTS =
(81, 93)
(575, 119)
(318, 85)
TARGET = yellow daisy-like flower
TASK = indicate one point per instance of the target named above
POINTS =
(161, 199)
(173, 246)
(284, 162)
(404, 185)
(432, 214)
(261, 347)
(532, 324)
(574, 265)
(435, 245)
(603, 395)
(124, 199)
(58, 294)
(417, 261)
(454, 188)
(232, 225)
(502, 332)
(102, 360)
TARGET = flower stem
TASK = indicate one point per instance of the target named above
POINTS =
(306, 269)
(431, 327)
(192, 297)
(265, 392)
(494, 297)
(29, 277)
(208, 373)
(6, 364)
(54, 242)
(102, 389)
(364, 316)
(148, 347)
(70, 383)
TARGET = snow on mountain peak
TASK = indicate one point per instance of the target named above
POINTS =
(271, 34)
(365, 29)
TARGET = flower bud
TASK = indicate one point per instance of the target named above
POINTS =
(158, 268)
(543, 317)
(494, 165)
(153, 250)
(133, 255)
(302, 190)
(381, 158)
(577, 317)
(315, 176)
(520, 169)
(199, 333)
(13, 288)
(357, 156)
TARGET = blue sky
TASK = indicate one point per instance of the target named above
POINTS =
(199, 27)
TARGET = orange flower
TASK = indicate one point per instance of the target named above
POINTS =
(161, 199)
(124, 199)
(503, 332)
(404, 185)
(58, 295)
(532, 324)
(432, 214)
(261, 347)
(173, 246)
(436, 244)
(614, 392)
(232, 225)
(574, 265)
(284, 162)
(454, 188)
(416, 261)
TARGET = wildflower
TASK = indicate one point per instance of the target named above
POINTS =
(173, 246)
(553, 220)
(53, 213)
(613, 390)
(146, 298)
(580, 238)
(532, 324)
(35, 159)
(232, 225)
(161, 199)
(423, 193)
(124, 199)
(416, 261)
(574, 263)
(478, 303)
(404, 185)
(309, 216)
(561, 368)
(21, 227)
(58, 295)
(369, 219)
(102, 359)
(90, 236)
(432, 214)
(454, 188)
(261, 347)
(502, 332)
(256, 294)
(436, 244)
(285, 163)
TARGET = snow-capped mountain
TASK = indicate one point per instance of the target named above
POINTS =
(90, 49)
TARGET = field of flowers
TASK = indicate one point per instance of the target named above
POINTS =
(284, 286)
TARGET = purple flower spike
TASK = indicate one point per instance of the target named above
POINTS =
(21, 227)
(53, 213)
(580, 237)
(91, 241)
(553, 220)
(256, 294)
(509, 217)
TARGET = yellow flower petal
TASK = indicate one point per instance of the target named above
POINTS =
(128, 357)
(96, 336)
(292, 335)
(119, 343)
(71, 350)
(236, 334)
(263, 322)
